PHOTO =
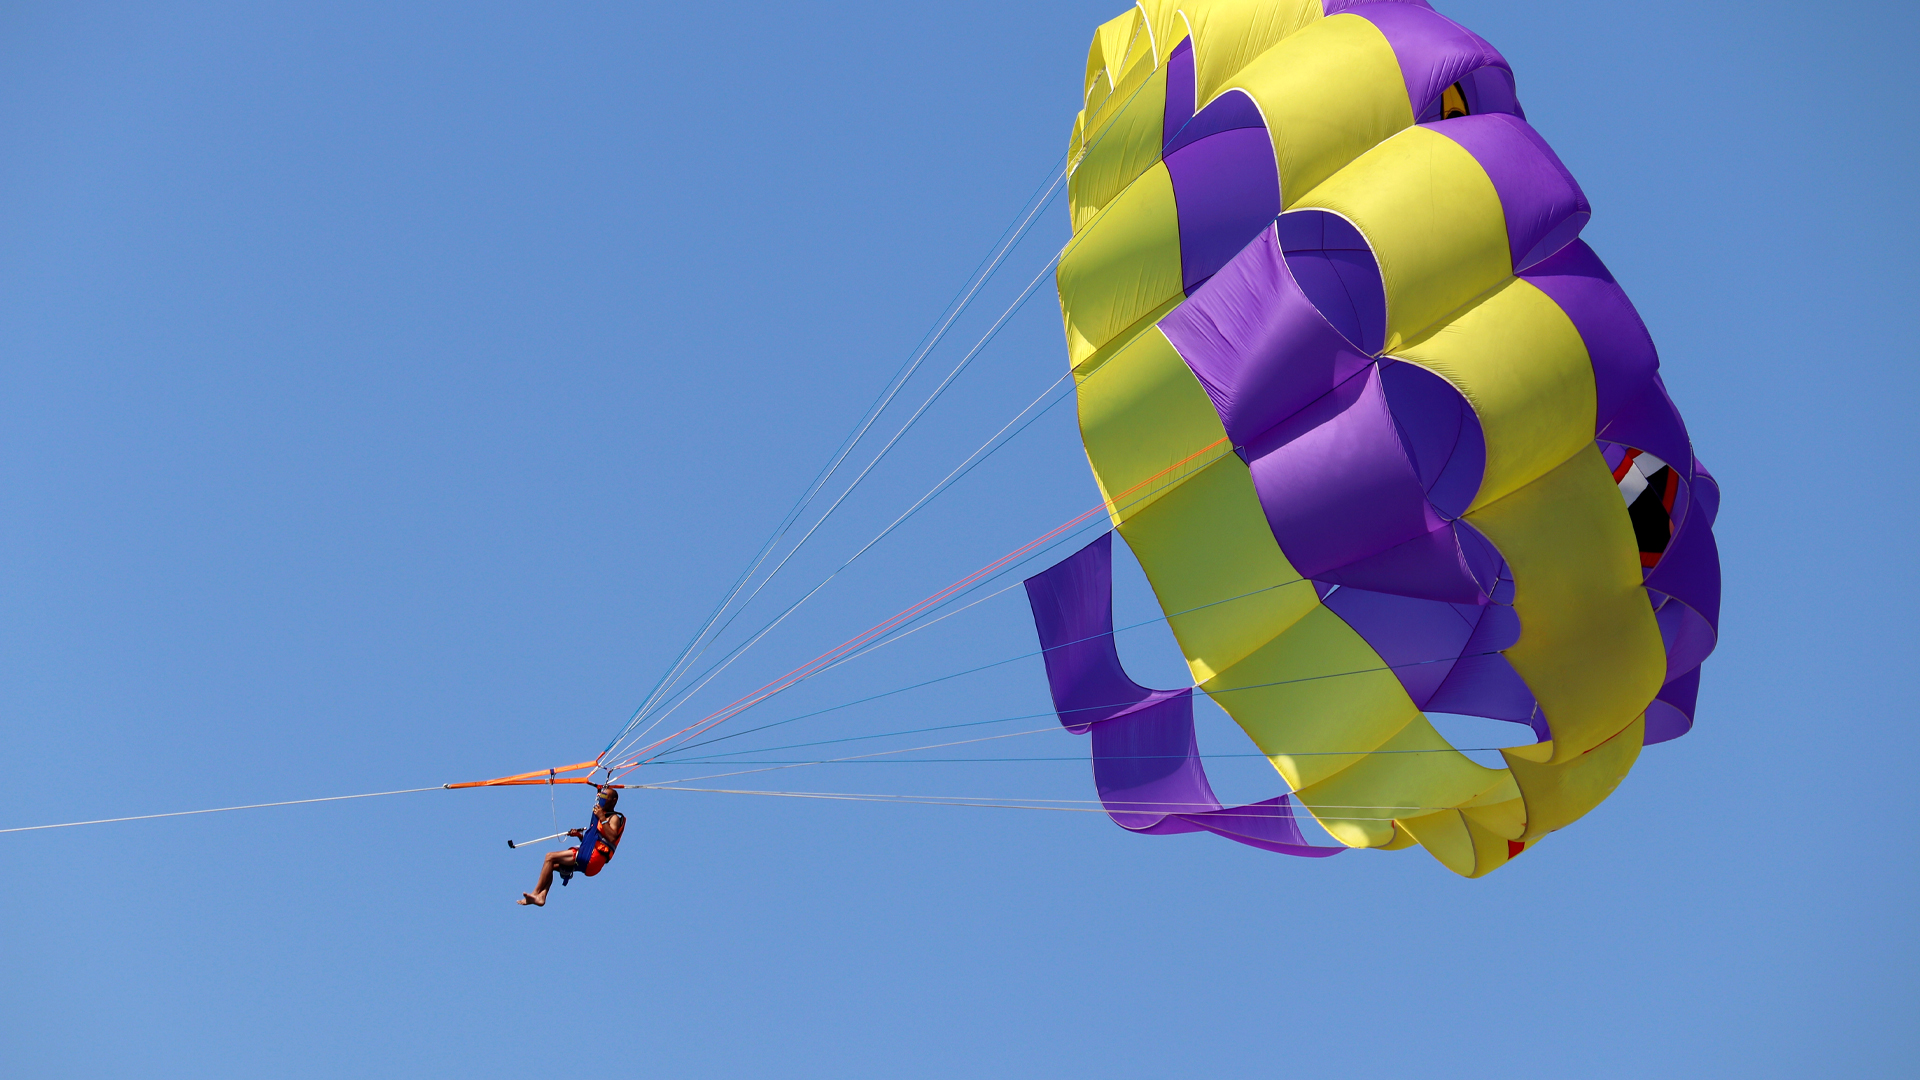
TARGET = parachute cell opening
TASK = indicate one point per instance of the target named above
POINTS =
(1336, 268)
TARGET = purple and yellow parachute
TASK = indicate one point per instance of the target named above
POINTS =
(1384, 434)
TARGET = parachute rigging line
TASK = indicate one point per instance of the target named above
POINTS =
(969, 671)
(1054, 712)
(553, 807)
(717, 758)
(997, 663)
(875, 754)
(964, 299)
(1029, 804)
(992, 332)
(966, 466)
(220, 809)
(894, 622)
(971, 581)
(1081, 758)
(959, 588)
(1004, 248)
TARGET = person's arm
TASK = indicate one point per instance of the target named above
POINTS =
(612, 826)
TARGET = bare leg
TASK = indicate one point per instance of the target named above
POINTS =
(555, 860)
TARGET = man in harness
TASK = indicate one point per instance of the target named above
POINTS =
(597, 844)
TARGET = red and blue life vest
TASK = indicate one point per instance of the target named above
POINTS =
(596, 849)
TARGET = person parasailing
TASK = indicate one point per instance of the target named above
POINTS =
(597, 844)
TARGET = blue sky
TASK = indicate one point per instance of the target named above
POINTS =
(386, 392)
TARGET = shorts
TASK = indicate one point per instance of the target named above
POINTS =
(590, 865)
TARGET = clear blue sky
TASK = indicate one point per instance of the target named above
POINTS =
(388, 389)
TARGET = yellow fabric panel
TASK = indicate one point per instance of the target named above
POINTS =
(1518, 359)
(1445, 837)
(1214, 565)
(1314, 697)
(1559, 794)
(1434, 222)
(1167, 26)
(1329, 94)
(1490, 851)
(1228, 34)
(1147, 423)
(1589, 648)
(1503, 790)
(1124, 338)
(1506, 819)
(1499, 809)
(1099, 87)
(1073, 154)
(1459, 842)
(1121, 142)
(1109, 52)
(1125, 263)
(1127, 66)
(1402, 839)
(1415, 770)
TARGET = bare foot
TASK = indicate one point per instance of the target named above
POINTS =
(527, 898)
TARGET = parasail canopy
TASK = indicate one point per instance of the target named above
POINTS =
(1385, 435)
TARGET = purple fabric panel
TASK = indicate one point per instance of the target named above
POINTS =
(1622, 351)
(1426, 414)
(1433, 566)
(1497, 629)
(1706, 492)
(1484, 562)
(1335, 7)
(1146, 764)
(1650, 422)
(1269, 825)
(1490, 90)
(1503, 589)
(1255, 342)
(1359, 274)
(1312, 230)
(1689, 570)
(1671, 713)
(1453, 491)
(1545, 209)
(1330, 278)
(1230, 111)
(1434, 51)
(1419, 639)
(1179, 107)
(1447, 656)
(1483, 682)
(1486, 685)
(1664, 723)
(1686, 635)
(1146, 759)
(1334, 483)
(1441, 434)
(1072, 605)
(1337, 271)
(1227, 190)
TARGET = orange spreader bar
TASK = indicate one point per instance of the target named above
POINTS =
(544, 776)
